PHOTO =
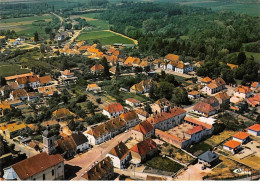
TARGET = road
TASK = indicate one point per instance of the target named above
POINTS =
(96, 154)
(59, 17)
(178, 74)
(135, 41)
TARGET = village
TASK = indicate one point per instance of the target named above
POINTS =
(124, 133)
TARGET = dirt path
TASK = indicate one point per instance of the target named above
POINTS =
(135, 41)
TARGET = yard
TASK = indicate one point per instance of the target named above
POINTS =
(105, 37)
(164, 164)
(12, 69)
(198, 148)
(216, 139)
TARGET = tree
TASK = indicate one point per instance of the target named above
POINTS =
(180, 96)
(241, 57)
(165, 90)
(104, 62)
(36, 36)
(117, 70)
(2, 81)
(258, 118)
(47, 30)
(91, 107)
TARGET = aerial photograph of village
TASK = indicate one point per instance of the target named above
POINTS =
(130, 90)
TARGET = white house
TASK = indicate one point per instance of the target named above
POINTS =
(133, 102)
(183, 67)
(81, 141)
(113, 110)
(214, 87)
(254, 130)
(193, 94)
(243, 92)
(93, 87)
(232, 146)
(120, 156)
(241, 137)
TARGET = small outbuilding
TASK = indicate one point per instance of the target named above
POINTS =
(208, 158)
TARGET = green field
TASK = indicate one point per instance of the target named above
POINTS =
(9, 70)
(105, 37)
(255, 55)
(198, 148)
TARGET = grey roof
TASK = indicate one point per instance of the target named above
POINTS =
(10, 174)
(79, 138)
(208, 156)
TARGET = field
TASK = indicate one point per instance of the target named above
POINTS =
(216, 139)
(8, 70)
(105, 37)
(198, 148)
(255, 55)
(164, 164)
(24, 25)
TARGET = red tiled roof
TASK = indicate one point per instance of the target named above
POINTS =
(243, 89)
(241, 135)
(203, 107)
(254, 84)
(128, 116)
(114, 107)
(45, 79)
(255, 127)
(133, 100)
(120, 151)
(36, 164)
(66, 73)
(144, 147)
(197, 122)
(193, 93)
(144, 127)
(194, 130)
(206, 80)
(232, 144)
(97, 67)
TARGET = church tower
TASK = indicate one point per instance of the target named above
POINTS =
(48, 141)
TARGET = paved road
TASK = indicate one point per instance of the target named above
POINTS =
(85, 161)
(178, 74)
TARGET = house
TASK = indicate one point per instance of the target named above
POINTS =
(120, 156)
(254, 101)
(50, 123)
(254, 130)
(94, 88)
(241, 137)
(39, 167)
(206, 81)
(105, 131)
(182, 67)
(12, 130)
(97, 68)
(4, 105)
(167, 120)
(255, 85)
(45, 80)
(142, 114)
(143, 151)
(208, 107)
(131, 118)
(29, 81)
(132, 102)
(208, 158)
(142, 131)
(223, 98)
(161, 105)
(193, 95)
(32, 96)
(67, 74)
(214, 86)
(142, 87)
(232, 146)
(14, 77)
(171, 57)
(243, 92)
(81, 141)
(113, 110)
(62, 114)
(206, 123)
(103, 170)
(132, 61)
(48, 90)
(20, 94)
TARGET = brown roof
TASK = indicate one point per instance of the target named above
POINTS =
(203, 107)
(36, 164)
(211, 100)
(97, 67)
(120, 151)
(49, 123)
(67, 143)
(194, 130)
(222, 96)
(114, 107)
(133, 100)
(206, 80)
(144, 127)
(197, 122)
(79, 138)
(172, 57)
(128, 116)
(155, 178)
(243, 89)
(254, 84)
(19, 93)
(163, 102)
(62, 113)
(166, 115)
(144, 147)
(142, 112)
(66, 72)
(193, 93)
(18, 76)
(45, 79)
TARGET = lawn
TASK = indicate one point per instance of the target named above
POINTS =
(9, 70)
(198, 148)
(255, 55)
(216, 139)
(164, 164)
(105, 37)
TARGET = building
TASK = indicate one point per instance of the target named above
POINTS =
(241, 137)
(161, 105)
(208, 107)
(243, 92)
(97, 68)
(67, 77)
(13, 129)
(62, 114)
(167, 120)
(142, 131)
(193, 95)
(133, 102)
(105, 131)
(4, 105)
(48, 141)
(28, 81)
(208, 158)
(131, 118)
(120, 156)
(14, 77)
(232, 146)
(39, 167)
(113, 110)
(214, 87)
(223, 98)
(142, 87)
(255, 85)
(81, 141)
(171, 57)
(142, 114)
(20, 94)
(254, 130)
(182, 67)
(155, 178)
(93, 87)
(45, 80)
(104, 170)
(143, 151)
(206, 81)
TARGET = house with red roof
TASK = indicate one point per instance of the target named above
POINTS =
(97, 68)
(254, 130)
(132, 102)
(214, 86)
(206, 81)
(243, 92)
(255, 85)
(120, 156)
(232, 146)
(241, 137)
(113, 110)
(131, 118)
(143, 151)
(142, 131)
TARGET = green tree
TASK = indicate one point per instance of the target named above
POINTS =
(104, 62)
(36, 36)
(241, 57)
(180, 96)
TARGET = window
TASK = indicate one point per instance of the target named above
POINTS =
(52, 172)
(43, 176)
